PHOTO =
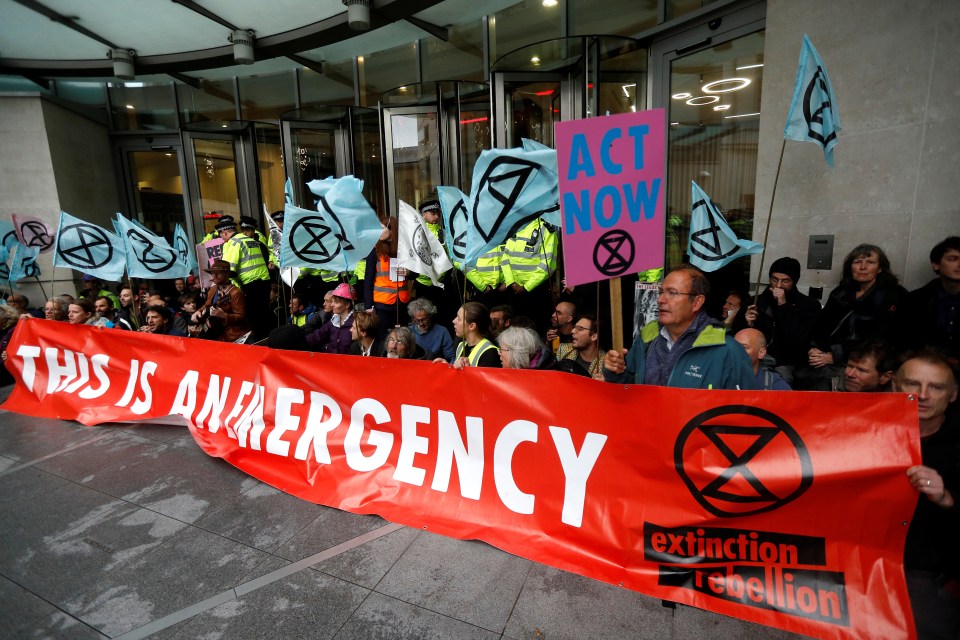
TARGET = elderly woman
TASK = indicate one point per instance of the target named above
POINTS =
(521, 348)
(402, 344)
(366, 336)
(55, 309)
(81, 311)
(864, 306)
(335, 336)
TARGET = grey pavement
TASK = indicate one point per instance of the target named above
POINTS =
(133, 532)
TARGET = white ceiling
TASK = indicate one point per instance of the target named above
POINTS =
(168, 36)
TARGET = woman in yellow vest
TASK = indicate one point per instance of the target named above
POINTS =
(472, 326)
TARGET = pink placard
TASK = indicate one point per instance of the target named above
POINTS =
(612, 194)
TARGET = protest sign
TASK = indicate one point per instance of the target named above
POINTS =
(612, 194)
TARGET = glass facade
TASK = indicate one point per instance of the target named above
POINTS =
(712, 138)
(714, 115)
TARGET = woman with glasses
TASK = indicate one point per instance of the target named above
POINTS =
(521, 348)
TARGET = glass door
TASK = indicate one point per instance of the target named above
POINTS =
(216, 190)
(413, 154)
(153, 177)
(710, 81)
(529, 108)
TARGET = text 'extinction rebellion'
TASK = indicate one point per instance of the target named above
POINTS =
(755, 568)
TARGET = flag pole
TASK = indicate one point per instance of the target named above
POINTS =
(766, 233)
(40, 284)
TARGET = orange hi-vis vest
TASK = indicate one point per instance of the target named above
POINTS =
(385, 290)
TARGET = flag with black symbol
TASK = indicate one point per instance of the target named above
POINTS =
(24, 264)
(185, 250)
(417, 248)
(813, 113)
(89, 249)
(712, 243)
(290, 274)
(339, 234)
(511, 187)
(33, 232)
(148, 255)
(453, 207)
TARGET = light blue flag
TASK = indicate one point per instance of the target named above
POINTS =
(551, 214)
(89, 249)
(813, 113)
(288, 192)
(511, 187)
(712, 243)
(339, 234)
(185, 251)
(148, 255)
(453, 206)
(8, 238)
(24, 263)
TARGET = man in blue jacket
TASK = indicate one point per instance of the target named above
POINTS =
(685, 347)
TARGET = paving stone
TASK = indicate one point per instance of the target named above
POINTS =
(60, 543)
(60, 626)
(557, 605)
(367, 564)
(21, 609)
(7, 463)
(190, 567)
(690, 623)
(330, 528)
(170, 481)
(304, 605)
(25, 438)
(102, 453)
(381, 617)
(26, 484)
(466, 580)
(261, 517)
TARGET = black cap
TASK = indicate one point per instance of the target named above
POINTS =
(246, 222)
(429, 205)
(788, 266)
(222, 225)
(277, 215)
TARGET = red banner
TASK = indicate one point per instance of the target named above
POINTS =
(788, 509)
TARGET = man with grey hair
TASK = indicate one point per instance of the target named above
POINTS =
(685, 347)
(931, 561)
(431, 337)
(401, 344)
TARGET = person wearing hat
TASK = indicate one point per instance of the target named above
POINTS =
(93, 289)
(335, 335)
(247, 258)
(224, 222)
(784, 316)
(225, 311)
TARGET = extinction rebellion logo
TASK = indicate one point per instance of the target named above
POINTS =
(739, 461)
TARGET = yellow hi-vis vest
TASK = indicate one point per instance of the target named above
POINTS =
(478, 350)
(487, 271)
(246, 258)
(530, 256)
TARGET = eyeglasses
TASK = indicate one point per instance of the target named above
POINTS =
(577, 327)
(421, 321)
(670, 294)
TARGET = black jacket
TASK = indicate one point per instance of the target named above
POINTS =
(847, 321)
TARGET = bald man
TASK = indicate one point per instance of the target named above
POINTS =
(755, 344)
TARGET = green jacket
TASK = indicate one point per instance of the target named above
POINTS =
(714, 361)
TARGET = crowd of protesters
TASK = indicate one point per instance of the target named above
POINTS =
(872, 335)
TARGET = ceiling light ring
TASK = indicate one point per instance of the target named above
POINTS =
(711, 100)
(709, 87)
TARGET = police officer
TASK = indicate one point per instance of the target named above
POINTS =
(248, 259)
(529, 258)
